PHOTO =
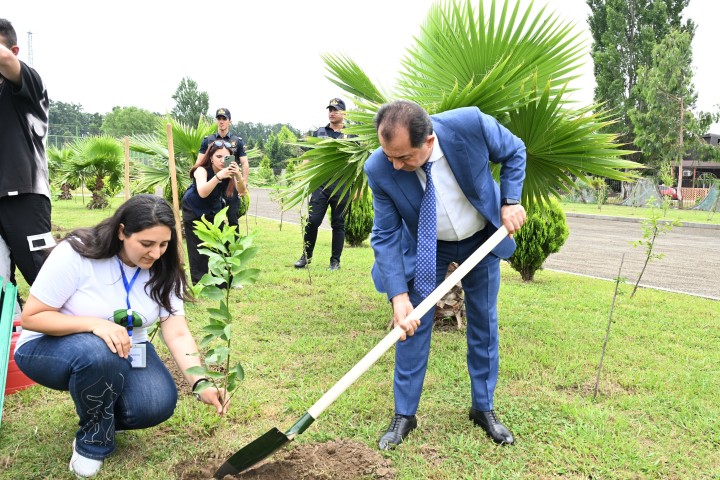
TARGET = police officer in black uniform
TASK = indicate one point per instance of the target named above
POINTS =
(324, 197)
(222, 115)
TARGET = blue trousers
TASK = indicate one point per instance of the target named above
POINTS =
(108, 393)
(481, 286)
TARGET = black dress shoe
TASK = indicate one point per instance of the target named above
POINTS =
(400, 427)
(302, 262)
(489, 422)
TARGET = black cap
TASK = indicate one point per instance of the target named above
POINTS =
(337, 104)
(223, 112)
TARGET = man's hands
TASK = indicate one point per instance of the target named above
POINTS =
(513, 217)
(401, 309)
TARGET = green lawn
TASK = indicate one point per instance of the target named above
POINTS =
(299, 331)
(685, 215)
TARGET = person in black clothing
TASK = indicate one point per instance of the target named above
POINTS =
(213, 184)
(326, 196)
(24, 179)
(222, 115)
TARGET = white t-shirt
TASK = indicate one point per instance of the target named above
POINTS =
(83, 286)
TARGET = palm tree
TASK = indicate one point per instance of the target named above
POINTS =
(98, 158)
(513, 64)
(156, 171)
(58, 161)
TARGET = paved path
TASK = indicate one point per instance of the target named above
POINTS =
(691, 262)
(595, 247)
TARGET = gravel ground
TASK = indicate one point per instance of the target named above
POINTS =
(691, 262)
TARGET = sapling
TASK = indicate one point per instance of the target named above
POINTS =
(618, 280)
(653, 227)
(228, 255)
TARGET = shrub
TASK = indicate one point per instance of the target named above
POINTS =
(544, 232)
(359, 221)
(244, 204)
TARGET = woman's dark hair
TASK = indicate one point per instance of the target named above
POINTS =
(206, 161)
(404, 114)
(167, 276)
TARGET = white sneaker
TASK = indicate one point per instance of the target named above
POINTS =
(84, 467)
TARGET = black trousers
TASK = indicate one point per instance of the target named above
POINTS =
(25, 228)
(319, 202)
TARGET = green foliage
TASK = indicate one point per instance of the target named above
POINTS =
(128, 121)
(68, 121)
(665, 126)
(653, 227)
(601, 190)
(244, 204)
(186, 145)
(228, 256)
(58, 161)
(513, 63)
(544, 232)
(191, 104)
(96, 161)
(624, 34)
(359, 221)
(264, 175)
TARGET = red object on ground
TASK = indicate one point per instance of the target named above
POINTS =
(16, 380)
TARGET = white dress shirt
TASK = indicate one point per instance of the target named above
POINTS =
(457, 219)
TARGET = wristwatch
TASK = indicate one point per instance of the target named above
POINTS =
(509, 201)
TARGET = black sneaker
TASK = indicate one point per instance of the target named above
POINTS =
(302, 262)
(334, 265)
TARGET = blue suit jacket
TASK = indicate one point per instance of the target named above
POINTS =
(469, 139)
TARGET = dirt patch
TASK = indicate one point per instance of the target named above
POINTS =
(336, 460)
(182, 385)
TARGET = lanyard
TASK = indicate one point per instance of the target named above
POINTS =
(128, 287)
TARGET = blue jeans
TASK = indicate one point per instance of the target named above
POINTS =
(108, 393)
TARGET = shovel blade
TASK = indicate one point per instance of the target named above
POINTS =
(253, 453)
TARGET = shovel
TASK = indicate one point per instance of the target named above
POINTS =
(271, 441)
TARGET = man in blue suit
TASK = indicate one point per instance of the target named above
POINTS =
(470, 207)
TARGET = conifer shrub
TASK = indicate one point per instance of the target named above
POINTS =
(544, 232)
(359, 221)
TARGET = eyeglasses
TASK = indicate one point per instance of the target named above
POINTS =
(222, 143)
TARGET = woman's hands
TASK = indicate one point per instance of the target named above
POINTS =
(115, 336)
(232, 170)
(214, 396)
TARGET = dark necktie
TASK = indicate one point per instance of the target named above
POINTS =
(427, 239)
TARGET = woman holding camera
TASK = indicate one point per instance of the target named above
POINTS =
(216, 177)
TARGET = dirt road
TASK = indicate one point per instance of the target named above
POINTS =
(691, 262)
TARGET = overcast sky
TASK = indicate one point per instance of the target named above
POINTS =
(259, 59)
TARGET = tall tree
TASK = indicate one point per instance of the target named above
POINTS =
(666, 125)
(624, 33)
(190, 103)
(129, 121)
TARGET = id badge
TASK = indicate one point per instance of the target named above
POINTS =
(137, 356)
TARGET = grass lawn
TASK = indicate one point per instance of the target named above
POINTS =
(298, 331)
(685, 215)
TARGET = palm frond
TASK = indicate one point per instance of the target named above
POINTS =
(346, 74)
(492, 58)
